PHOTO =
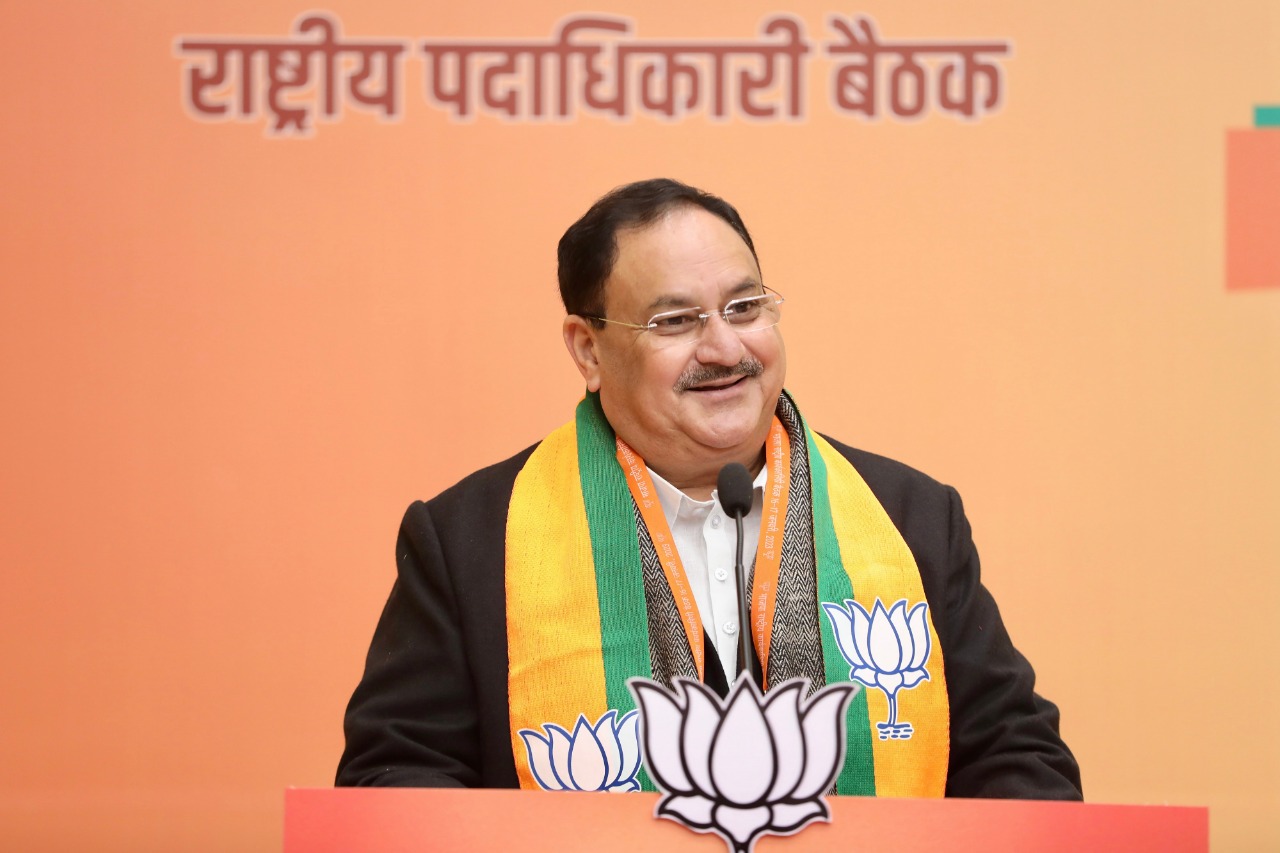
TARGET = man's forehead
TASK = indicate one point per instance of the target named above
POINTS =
(676, 298)
(671, 261)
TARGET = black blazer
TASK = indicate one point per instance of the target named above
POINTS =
(431, 709)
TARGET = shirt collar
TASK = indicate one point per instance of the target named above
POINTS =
(673, 500)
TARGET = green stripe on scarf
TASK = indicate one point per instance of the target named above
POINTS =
(619, 574)
(858, 776)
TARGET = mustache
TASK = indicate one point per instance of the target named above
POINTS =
(697, 375)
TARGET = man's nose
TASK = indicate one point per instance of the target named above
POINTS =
(719, 344)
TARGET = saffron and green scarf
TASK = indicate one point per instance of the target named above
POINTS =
(588, 605)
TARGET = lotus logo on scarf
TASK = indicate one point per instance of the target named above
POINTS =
(747, 765)
(886, 649)
(600, 757)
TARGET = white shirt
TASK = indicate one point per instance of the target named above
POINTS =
(707, 538)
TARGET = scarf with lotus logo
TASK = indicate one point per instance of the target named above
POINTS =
(589, 606)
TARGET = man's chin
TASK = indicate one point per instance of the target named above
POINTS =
(729, 431)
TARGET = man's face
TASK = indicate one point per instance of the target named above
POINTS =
(686, 405)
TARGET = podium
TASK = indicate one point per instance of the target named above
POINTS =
(400, 820)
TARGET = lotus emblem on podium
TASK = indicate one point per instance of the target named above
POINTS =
(746, 765)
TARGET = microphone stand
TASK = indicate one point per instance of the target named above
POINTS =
(746, 659)
(735, 491)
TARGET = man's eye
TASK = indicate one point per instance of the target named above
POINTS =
(673, 324)
(741, 312)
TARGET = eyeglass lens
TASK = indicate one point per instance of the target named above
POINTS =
(751, 314)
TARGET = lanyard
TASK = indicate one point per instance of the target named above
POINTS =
(764, 589)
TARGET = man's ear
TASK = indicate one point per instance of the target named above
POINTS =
(580, 338)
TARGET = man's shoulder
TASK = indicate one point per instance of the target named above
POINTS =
(483, 487)
(883, 470)
(902, 490)
(469, 514)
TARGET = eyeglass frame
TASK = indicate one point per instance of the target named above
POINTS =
(703, 316)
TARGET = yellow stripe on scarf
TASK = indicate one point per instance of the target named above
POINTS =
(879, 563)
(552, 611)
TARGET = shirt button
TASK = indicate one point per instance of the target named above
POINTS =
(715, 522)
(730, 627)
(721, 574)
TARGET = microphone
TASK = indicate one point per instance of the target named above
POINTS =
(733, 488)
(734, 491)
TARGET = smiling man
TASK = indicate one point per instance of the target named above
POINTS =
(531, 591)
(691, 392)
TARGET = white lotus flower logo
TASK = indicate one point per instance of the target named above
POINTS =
(747, 765)
(600, 757)
(886, 649)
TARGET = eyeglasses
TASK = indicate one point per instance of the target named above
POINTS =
(746, 315)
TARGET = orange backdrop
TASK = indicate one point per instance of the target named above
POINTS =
(229, 360)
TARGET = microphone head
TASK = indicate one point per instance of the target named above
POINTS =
(733, 489)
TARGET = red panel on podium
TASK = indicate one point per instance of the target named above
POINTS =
(415, 819)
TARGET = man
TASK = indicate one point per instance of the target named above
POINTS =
(529, 592)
